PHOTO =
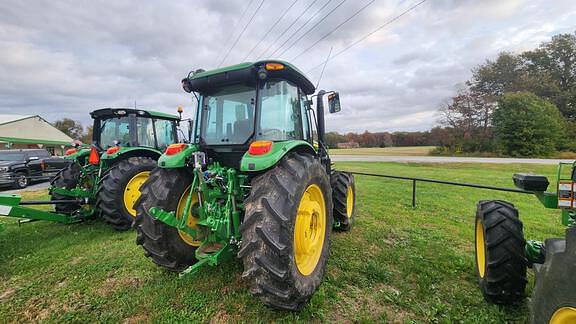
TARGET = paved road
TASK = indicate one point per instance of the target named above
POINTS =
(36, 186)
(440, 159)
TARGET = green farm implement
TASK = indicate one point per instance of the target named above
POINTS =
(254, 183)
(103, 179)
(503, 255)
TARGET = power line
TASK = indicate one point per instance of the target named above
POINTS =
(242, 32)
(287, 28)
(369, 34)
(233, 29)
(270, 29)
(300, 28)
(335, 28)
(315, 25)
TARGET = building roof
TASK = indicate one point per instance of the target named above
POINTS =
(30, 129)
(5, 118)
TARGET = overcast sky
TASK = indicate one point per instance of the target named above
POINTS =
(65, 58)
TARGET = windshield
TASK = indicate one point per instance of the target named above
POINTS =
(281, 114)
(115, 129)
(228, 115)
(12, 156)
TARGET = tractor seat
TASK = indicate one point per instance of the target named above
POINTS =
(530, 182)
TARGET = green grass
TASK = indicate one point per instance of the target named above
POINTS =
(386, 151)
(398, 264)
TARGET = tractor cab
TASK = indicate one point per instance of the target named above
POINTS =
(133, 128)
(262, 102)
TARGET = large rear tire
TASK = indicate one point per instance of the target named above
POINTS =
(120, 189)
(500, 257)
(344, 197)
(286, 232)
(554, 296)
(68, 178)
(165, 245)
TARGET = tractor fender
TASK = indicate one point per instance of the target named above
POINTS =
(79, 155)
(255, 163)
(128, 152)
(177, 160)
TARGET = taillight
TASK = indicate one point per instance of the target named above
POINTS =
(70, 151)
(175, 149)
(43, 165)
(113, 150)
(94, 158)
(260, 147)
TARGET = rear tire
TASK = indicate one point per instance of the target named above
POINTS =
(111, 192)
(68, 178)
(554, 294)
(500, 259)
(163, 243)
(344, 198)
(21, 181)
(294, 195)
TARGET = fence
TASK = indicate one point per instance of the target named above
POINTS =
(443, 182)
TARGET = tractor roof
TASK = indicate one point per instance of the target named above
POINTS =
(248, 72)
(107, 112)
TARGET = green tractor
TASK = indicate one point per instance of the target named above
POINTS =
(503, 255)
(103, 179)
(252, 184)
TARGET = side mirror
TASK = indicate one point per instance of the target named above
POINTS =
(334, 102)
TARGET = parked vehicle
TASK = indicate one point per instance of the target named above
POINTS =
(21, 167)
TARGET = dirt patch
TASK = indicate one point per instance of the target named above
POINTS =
(222, 316)
(7, 294)
(112, 284)
(140, 318)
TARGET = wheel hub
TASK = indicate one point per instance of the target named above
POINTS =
(132, 191)
(564, 315)
(309, 230)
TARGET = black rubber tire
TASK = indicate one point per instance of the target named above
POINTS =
(504, 279)
(161, 242)
(268, 232)
(110, 195)
(67, 178)
(24, 183)
(340, 182)
(555, 285)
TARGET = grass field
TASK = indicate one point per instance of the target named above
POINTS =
(397, 265)
(386, 151)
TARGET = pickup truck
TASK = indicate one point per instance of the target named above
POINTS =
(21, 167)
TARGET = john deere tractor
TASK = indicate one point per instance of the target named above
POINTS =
(103, 179)
(503, 255)
(254, 184)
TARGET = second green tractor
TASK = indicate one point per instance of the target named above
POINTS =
(256, 182)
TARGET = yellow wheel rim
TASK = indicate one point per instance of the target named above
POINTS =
(192, 219)
(480, 255)
(564, 315)
(349, 202)
(309, 230)
(132, 191)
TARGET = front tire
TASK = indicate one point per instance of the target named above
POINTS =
(120, 189)
(344, 198)
(500, 257)
(68, 178)
(165, 245)
(554, 296)
(286, 232)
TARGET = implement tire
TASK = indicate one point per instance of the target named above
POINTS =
(554, 296)
(286, 232)
(165, 245)
(500, 257)
(344, 198)
(67, 178)
(119, 190)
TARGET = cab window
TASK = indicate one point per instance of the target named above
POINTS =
(280, 112)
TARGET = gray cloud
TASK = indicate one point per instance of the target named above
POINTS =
(66, 58)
